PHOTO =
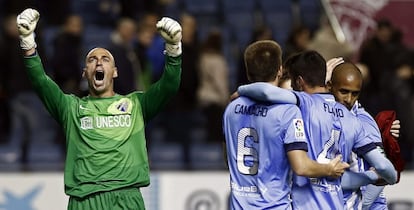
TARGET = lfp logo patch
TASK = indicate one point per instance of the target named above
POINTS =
(299, 128)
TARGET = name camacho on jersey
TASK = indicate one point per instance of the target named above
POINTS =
(331, 130)
(105, 137)
(258, 136)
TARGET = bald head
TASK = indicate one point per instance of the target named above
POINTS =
(100, 49)
(346, 71)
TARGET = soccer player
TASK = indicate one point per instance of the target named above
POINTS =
(345, 84)
(106, 162)
(263, 141)
(329, 126)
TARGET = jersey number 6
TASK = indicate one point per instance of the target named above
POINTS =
(247, 155)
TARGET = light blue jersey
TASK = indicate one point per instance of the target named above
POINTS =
(354, 198)
(369, 124)
(331, 130)
(258, 136)
(380, 203)
(341, 133)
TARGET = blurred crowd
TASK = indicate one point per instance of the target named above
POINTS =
(211, 71)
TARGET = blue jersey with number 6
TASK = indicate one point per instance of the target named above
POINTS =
(258, 136)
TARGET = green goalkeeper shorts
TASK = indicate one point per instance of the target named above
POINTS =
(121, 199)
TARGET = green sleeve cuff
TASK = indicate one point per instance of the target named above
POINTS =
(175, 61)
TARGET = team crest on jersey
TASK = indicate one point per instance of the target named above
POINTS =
(299, 128)
(86, 123)
(122, 106)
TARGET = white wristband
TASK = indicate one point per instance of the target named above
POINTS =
(173, 50)
(28, 42)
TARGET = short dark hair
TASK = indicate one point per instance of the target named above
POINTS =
(263, 60)
(285, 76)
(310, 65)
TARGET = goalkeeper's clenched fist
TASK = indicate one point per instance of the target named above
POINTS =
(171, 31)
(26, 24)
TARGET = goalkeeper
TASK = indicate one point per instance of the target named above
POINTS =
(107, 161)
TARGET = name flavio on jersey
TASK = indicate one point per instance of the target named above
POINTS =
(337, 112)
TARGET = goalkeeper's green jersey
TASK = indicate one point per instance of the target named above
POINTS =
(105, 138)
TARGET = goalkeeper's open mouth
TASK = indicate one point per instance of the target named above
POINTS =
(99, 77)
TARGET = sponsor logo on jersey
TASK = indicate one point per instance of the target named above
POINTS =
(247, 191)
(299, 128)
(112, 121)
(324, 185)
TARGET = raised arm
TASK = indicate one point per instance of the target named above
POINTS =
(164, 89)
(267, 92)
(49, 92)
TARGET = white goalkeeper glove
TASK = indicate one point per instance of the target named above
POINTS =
(171, 31)
(26, 24)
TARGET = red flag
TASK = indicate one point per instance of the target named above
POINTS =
(356, 18)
